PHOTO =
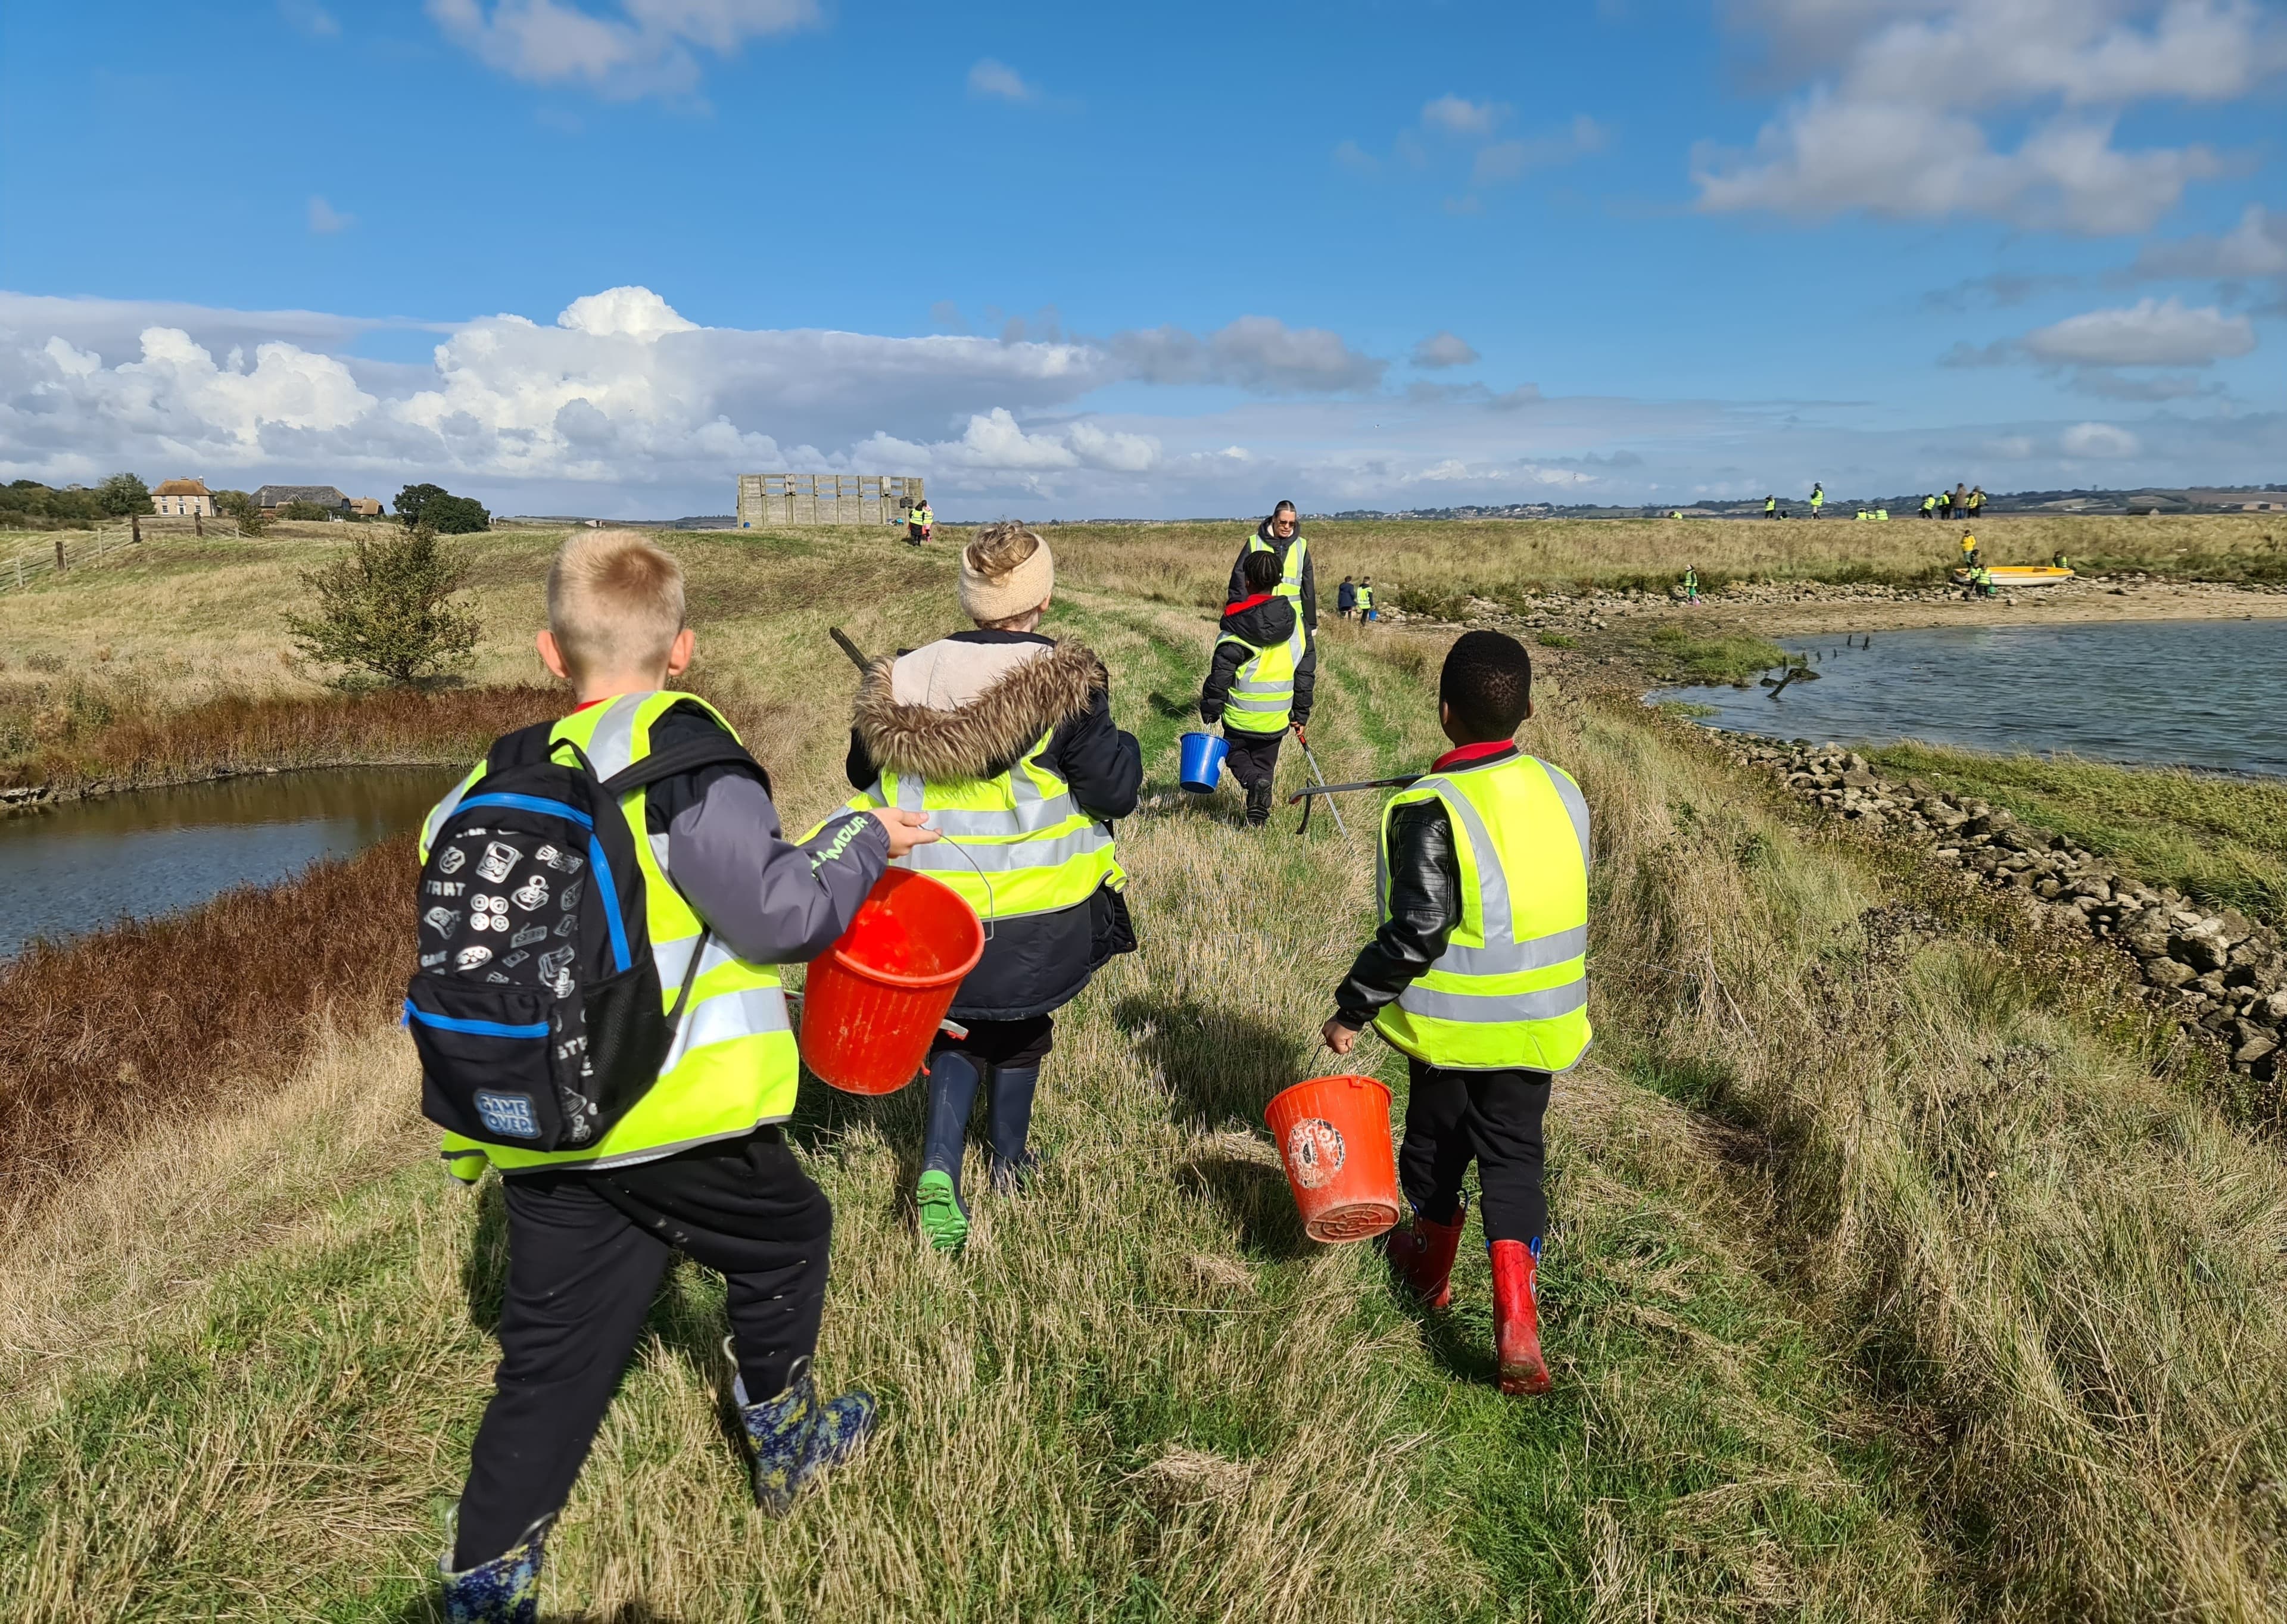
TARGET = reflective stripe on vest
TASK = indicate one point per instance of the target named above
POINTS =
(734, 1065)
(1014, 844)
(1511, 988)
(1290, 577)
(1262, 698)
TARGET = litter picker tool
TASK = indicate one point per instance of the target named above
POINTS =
(850, 648)
(1339, 827)
(1304, 794)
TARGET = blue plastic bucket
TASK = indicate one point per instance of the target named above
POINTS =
(1202, 762)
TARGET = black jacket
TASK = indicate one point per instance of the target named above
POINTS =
(1261, 619)
(1425, 906)
(1040, 962)
(1238, 588)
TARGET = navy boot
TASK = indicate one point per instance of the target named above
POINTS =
(505, 1590)
(798, 1435)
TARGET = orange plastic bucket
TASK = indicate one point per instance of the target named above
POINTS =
(1333, 1134)
(873, 1000)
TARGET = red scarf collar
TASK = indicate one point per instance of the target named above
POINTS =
(1470, 755)
(1249, 602)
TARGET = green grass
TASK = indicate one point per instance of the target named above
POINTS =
(1680, 652)
(2223, 840)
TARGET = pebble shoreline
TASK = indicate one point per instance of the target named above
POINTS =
(2220, 971)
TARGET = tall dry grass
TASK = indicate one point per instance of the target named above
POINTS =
(1432, 565)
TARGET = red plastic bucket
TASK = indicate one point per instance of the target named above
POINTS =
(1333, 1134)
(873, 1000)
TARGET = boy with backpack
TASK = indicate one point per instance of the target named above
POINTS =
(1479, 974)
(1003, 739)
(597, 1014)
(1260, 682)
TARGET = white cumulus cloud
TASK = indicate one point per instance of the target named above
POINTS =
(635, 48)
(2149, 333)
(2104, 441)
(1456, 116)
(1444, 349)
(1000, 82)
(1907, 97)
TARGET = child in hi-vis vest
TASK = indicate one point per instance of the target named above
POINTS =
(1260, 682)
(698, 1163)
(1479, 973)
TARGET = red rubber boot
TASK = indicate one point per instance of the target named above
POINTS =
(1423, 1256)
(1517, 1320)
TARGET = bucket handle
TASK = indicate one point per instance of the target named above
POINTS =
(982, 877)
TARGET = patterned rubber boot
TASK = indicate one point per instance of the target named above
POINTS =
(505, 1590)
(1516, 1319)
(1423, 1256)
(937, 1206)
(798, 1435)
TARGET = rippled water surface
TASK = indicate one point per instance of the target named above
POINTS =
(88, 863)
(2196, 694)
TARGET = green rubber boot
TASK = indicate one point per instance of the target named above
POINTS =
(938, 1205)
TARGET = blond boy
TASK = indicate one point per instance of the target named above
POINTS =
(699, 1165)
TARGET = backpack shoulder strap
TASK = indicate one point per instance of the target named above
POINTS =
(720, 750)
(524, 747)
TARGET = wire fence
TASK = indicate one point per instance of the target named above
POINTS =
(25, 557)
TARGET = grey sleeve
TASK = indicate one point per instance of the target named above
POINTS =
(769, 901)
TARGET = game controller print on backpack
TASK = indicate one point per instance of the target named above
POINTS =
(536, 1005)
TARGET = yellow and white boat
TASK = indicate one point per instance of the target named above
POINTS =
(2015, 575)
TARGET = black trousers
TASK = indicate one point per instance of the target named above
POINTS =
(1254, 762)
(1493, 1118)
(586, 1252)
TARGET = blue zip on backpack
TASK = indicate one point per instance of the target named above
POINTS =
(536, 1004)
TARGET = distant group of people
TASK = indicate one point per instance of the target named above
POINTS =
(1355, 597)
(1963, 500)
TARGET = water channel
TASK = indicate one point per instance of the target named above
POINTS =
(2210, 695)
(85, 864)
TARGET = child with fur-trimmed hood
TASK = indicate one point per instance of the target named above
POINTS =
(1005, 737)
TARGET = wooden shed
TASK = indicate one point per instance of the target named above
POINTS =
(768, 501)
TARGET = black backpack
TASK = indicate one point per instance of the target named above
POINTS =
(535, 1007)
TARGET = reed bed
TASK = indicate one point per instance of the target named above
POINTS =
(87, 735)
(169, 1018)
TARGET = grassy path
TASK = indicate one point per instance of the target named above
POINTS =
(1879, 1288)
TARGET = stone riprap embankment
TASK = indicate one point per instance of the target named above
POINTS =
(2220, 971)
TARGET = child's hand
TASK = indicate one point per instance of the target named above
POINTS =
(1338, 1037)
(906, 829)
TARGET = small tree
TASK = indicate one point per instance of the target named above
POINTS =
(123, 493)
(412, 499)
(243, 509)
(384, 611)
(306, 510)
(456, 515)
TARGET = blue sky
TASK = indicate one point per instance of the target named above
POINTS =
(601, 256)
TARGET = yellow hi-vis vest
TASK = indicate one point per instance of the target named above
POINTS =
(1511, 989)
(1261, 697)
(733, 1066)
(923, 516)
(1013, 845)
(1297, 551)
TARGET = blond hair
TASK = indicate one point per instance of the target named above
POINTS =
(614, 602)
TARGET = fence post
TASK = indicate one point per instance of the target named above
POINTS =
(136, 520)
(198, 523)
(60, 552)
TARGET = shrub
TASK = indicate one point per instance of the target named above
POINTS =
(385, 612)
(308, 510)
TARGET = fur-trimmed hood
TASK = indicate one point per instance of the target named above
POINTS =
(993, 701)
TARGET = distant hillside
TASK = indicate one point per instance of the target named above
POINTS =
(2245, 499)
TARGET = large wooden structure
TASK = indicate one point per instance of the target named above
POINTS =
(770, 500)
